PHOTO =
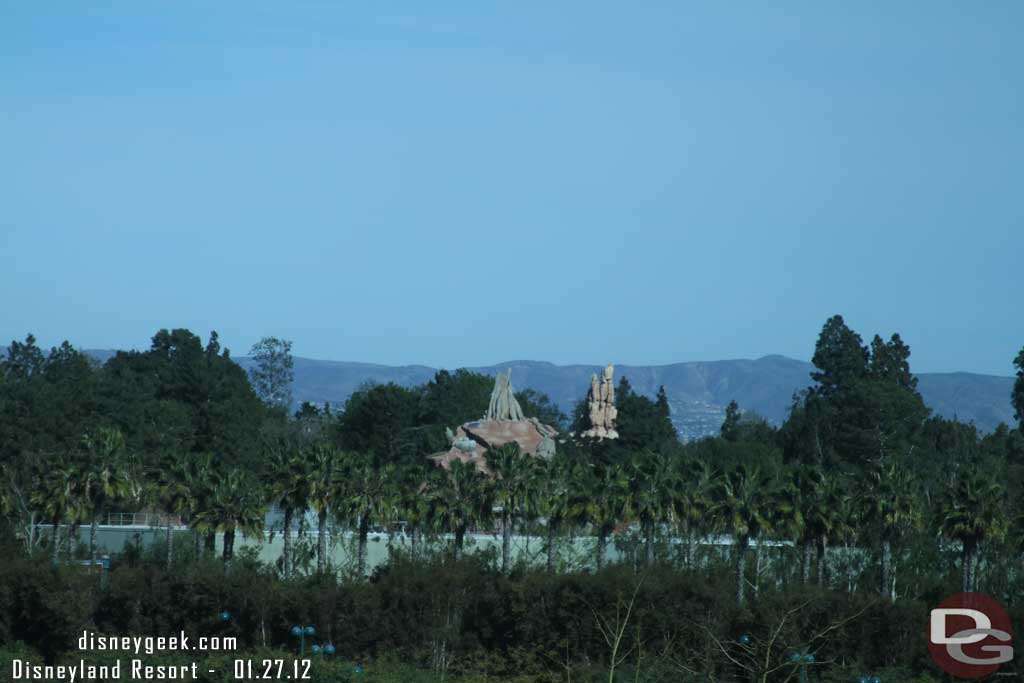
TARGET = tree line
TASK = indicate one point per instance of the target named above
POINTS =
(861, 490)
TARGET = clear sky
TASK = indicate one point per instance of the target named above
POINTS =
(468, 183)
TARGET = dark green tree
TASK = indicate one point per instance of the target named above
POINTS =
(181, 397)
(539, 405)
(840, 358)
(46, 401)
(890, 362)
(731, 424)
(452, 398)
(865, 404)
(643, 423)
(382, 419)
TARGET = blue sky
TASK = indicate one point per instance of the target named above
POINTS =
(467, 183)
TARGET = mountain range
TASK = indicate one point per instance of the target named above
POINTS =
(697, 391)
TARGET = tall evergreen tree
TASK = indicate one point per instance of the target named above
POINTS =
(643, 423)
(840, 358)
(890, 362)
(865, 403)
(730, 426)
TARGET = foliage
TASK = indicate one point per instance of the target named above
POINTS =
(382, 419)
(273, 371)
(181, 397)
(643, 423)
(698, 543)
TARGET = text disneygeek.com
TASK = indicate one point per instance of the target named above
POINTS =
(133, 666)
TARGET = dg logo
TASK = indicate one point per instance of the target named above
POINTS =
(970, 635)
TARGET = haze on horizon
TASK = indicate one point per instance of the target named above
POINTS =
(449, 185)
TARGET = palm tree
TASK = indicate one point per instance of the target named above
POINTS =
(201, 476)
(973, 512)
(890, 504)
(513, 472)
(653, 490)
(172, 493)
(832, 520)
(459, 498)
(550, 495)
(413, 505)
(59, 498)
(812, 503)
(600, 498)
(743, 506)
(693, 501)
(237, 505)
(367, 494)
(288, 484)
(111, 476)
(325, 466)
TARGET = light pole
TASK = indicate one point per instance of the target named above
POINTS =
(301, 632)
(802, 659)
(327, 649)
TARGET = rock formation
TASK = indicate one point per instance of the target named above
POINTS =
(601, 406)
(504, 406)
(503, 423)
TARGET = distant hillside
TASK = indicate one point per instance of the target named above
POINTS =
(698, 392)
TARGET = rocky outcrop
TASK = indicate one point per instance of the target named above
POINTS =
(503, 423)
(601, 406)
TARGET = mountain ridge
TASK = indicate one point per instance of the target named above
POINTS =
(698, 391)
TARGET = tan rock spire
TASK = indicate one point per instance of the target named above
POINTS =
(504, 406)
(601, 406)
